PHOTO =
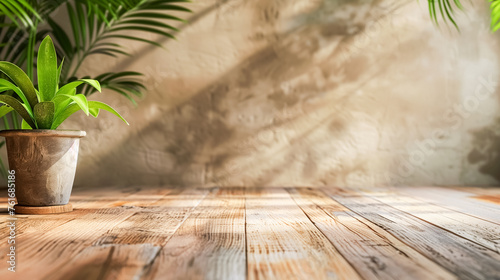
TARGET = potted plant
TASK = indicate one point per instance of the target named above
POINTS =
(42, 157)
(94, 27)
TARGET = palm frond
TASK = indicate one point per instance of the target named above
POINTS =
(444, 9)
(495, 14)
(20, 12)
(95, 22)
(125, 83)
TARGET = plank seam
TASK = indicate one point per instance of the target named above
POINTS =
(438, 226)
(447, 208)
(309, 218)
(388, 232)
(145, 269)
(246, 238)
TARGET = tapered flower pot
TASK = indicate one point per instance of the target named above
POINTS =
(44, 162)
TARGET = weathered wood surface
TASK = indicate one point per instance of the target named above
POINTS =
(465, 202)
(40, 251)
(475, 229)
(261, 233)
(466, 259)
(282, 243)
(374, 253)
(210, 244)
(107, 262)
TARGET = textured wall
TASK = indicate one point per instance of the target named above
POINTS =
(305, 92)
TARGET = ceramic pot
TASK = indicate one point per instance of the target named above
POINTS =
(44, 162)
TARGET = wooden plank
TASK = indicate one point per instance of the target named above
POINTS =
(456, 200)
(478, 230)
(485, 194)
(84, 203)
(464, 258)
(157, 223)
(282, 243)
(210, 244)
(41, 251)
(373, 252)
(107, 262)
(485, 190)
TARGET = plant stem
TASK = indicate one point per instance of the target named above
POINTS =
(6, 122)
(3, 170)
(15, 124)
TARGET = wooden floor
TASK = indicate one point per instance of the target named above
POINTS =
(264, 233)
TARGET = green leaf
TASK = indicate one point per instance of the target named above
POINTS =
(161, 6)
(7, 9)
(154, 15)
(29, 8)
(132, 38)
(445, 10)
(47, 70)
(94, 112)
(44, 114)
(18, 107)
(74, 24)
(4, 110)
(25, 125)
(495, 15)
(145, 29)
(79, 99)
(108, 51)
(21, 12)
(31, 54)
(122, 92)
(82, 22)
(93, 83)
(6, 85)
(106, 107)
(68, 88)
(153, 23)
(21, 80)
(61, 102)
(90, 22)
(120, 74)
(59, 74)
(68, 111)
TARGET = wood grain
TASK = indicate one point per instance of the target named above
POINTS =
(456, 200)
(261, 233)
(107, 262)
(477, 230)
(52, 248)
(84, 202)
(210, 244)
(156, 223)
(464, 258)
(372, 251)
(282, 243)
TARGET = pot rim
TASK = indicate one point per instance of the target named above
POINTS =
(43, 133)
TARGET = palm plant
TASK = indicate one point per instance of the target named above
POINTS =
(446, 9)
(94, 24)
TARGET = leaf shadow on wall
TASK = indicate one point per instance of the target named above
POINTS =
(486, 151)
(197, 143)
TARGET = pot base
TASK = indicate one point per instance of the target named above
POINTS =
(42, 210)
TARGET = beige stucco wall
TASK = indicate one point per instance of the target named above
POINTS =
(304, 92)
